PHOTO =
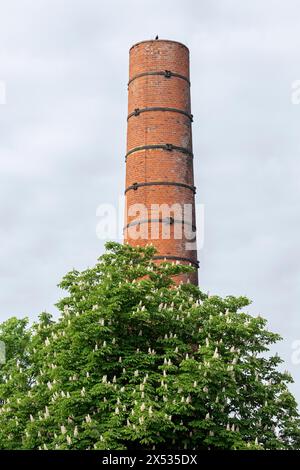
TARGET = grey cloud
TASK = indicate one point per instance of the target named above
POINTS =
(63, 137)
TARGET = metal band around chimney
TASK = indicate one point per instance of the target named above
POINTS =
(166, 220)
(178, 258)
(164, 73)
(135, 186)
(138, 111)
(167, 147)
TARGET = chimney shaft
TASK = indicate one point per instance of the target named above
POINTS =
(160, 192)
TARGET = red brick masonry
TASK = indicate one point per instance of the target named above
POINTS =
(159, 121)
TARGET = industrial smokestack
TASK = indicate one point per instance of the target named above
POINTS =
(160, 191)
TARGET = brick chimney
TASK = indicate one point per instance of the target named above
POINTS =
(160, 192)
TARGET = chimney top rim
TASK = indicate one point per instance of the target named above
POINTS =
(159, 40)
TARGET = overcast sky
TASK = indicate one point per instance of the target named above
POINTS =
(63, 131)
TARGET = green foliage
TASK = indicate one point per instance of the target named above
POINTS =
(134, 362)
